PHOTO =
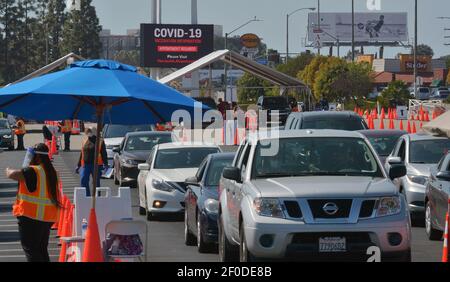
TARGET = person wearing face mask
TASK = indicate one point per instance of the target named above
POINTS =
(87, 158)
(37, 202)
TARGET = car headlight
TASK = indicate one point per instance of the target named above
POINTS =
(162, 185)
(212, 206)
(388, 206)
(109, 147)
(131, 162)
(418, 179)
(268, 207)
(7, 136)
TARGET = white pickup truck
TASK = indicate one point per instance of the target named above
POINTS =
(321, 195)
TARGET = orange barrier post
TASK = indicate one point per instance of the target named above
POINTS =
(92, 247)
(409, 127)
(62, 216)
(446, 232)
(381, 123)
(54, 148)
(67, 233)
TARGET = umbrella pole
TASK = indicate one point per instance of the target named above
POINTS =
(98, 143)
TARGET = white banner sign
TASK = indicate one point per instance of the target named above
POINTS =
(369, 27)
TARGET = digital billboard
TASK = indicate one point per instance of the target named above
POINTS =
(175, 46)
(369, 27)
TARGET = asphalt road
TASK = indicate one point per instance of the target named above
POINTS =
(165, 237)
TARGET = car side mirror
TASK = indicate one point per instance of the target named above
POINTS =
(443, 175)
(192, 181)
(397, 171)
(116, 150)
(144, 166)
(232, 173)
(394, 160)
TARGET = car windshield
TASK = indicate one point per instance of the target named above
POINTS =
(275, 103)
(316, 157)
(352, 124)
(383, 144)
(428, 151)
(182, 157)
(117, 131)
(215, 171)
(145, 143)
(424, 90)
(4, 124)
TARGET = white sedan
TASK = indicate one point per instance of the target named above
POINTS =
(161, 179)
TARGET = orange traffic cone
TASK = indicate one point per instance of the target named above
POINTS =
(381, 123)
(67, 233)
(383, 114)
(409, 127)
(446, 232)
(401, 125)
(414, 129)
(434, 115)
(54, 150)
(63, 214)
(92, 246)
(427, 116)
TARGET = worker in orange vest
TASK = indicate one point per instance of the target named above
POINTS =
(87, 157)
(37, 203)
(20, 132)
(66, 129)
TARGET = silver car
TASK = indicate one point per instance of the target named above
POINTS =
(419, 152)
(311, 195)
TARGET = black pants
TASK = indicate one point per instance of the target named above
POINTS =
(67, 141)
(20, 146)
(34, 237)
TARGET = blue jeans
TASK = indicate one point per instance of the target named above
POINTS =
(85, 174)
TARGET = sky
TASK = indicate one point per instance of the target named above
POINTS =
(120, 15)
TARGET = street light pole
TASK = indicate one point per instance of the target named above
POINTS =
(415, 48)
(287, 28)
(353, 30)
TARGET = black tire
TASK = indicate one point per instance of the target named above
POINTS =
(202, 246)
(432, 234)
(189, 238)
(244, 253)
(11, 148)
(150, 216)
(142, 211)
(227, 252)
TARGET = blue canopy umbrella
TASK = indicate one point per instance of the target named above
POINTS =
(98, 91)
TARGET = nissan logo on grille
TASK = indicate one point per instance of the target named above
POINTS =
(330, 208)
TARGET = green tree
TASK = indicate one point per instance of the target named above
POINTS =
(81, 31)
(128, 57)
(361, 79)
(424, 50)
(309, 74)
(250, 88)
(295, 65)
(54, 22)
(397, 92)
(332, 81)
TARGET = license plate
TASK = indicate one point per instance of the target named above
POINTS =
(332, 244)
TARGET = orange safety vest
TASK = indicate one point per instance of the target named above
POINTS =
(99, 158)
(36, 205)
(20, 128)
(67, 126)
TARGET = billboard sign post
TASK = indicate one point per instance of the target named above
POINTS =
(369, 27)
(174, 46)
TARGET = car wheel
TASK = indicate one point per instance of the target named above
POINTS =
(433, 234)
(227, 252)
(11, 148)
(202, 246)
(142, 211)
(244, 253)
(189, 238)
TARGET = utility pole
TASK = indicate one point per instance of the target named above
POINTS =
(353, 30)
(415, 48)
(195, 75)
(156, 19)
(318, 22)
(287, 28)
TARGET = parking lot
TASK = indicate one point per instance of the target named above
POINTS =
(166, 234)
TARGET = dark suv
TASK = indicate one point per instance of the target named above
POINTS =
(326, 120)
(275, 106)
(6, 135)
